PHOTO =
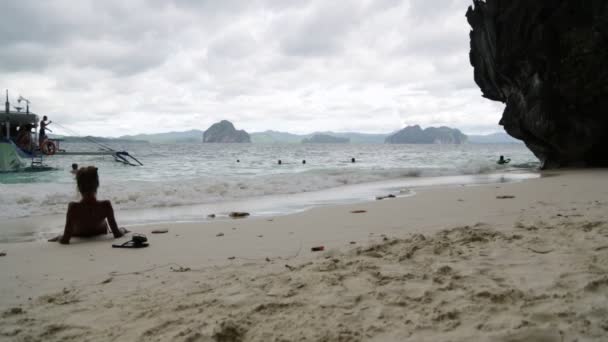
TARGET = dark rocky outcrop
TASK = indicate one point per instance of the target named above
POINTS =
(325, 139)
(547, 61)
(430, 135)
(224, 132)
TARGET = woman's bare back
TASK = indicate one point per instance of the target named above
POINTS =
(89, 218)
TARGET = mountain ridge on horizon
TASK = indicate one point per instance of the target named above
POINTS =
(274, 136)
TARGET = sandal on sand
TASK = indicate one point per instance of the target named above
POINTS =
(137, 241)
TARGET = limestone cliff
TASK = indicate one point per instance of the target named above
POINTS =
(224, 132)
(430, 135)
(546, 60)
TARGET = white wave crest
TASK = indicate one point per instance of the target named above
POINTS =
(34, 199)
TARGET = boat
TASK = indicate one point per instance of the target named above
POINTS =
(22, 150)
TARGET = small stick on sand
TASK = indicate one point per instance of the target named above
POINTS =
(160, 231)
(541, 252)
(180, 269)
(107, 281)
(380, 198)
(238, 214)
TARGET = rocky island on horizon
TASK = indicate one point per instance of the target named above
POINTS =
(325, 139)
(224, 132)
(430, 135)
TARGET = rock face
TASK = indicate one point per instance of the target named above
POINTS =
(547, 61)
(430, 135)
(325, 139)
(224, 132)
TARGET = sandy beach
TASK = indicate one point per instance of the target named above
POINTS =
(520, 261)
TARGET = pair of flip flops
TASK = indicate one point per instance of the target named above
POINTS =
(137, 241)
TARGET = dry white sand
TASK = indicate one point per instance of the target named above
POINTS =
(449, 264)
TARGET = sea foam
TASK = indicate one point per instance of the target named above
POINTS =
(179, 175)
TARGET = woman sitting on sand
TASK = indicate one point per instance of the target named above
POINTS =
(88, 217)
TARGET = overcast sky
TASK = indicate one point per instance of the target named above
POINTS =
(116, 67)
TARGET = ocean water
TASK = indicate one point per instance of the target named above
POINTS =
(177, 176)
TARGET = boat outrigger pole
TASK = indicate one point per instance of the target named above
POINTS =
(122, 158)
(105, 150)
(18, 143)
(119, 156)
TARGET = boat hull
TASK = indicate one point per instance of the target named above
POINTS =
(11, 158)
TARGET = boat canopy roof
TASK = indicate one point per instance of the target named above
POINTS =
(19, 118)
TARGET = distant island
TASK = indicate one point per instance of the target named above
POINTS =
(275, 137)
(224, 132)
(416, 135)
(430, 135)
(325, 139)
(191, 136)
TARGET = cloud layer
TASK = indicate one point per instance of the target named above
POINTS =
(141, 66)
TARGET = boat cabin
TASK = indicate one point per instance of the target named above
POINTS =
(19, 127)
(20, 148)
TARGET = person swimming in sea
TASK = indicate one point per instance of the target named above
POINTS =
(89, 217)
(503, 161)
(74, 170)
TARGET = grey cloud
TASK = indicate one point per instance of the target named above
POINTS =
(299, 64)
(24, 56)
(233, 44)
(320, 31)
(33, 21)
(44, 33)
(123, 58)
(436, 45)
(384, 5)
(211, 6)
(431, 10)
(441, 33)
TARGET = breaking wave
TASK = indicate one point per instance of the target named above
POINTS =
(34, 199)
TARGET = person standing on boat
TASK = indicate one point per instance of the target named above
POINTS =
(43, 129)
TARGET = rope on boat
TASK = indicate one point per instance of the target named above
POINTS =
(119, 156)
(88, 138)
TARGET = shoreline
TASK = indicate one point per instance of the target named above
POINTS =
(40, 228)
(457, 263)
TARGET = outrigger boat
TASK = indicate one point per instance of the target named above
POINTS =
(22, 150)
